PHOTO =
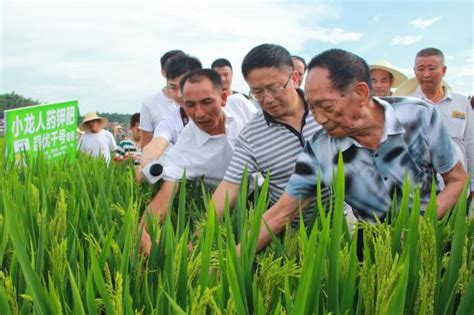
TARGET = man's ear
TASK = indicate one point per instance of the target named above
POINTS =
(295, 78)
(362, 90)
(223, 98)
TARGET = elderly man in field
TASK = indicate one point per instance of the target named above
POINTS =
(381, 140)
(205, 146)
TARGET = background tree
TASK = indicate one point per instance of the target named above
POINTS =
(13, 100)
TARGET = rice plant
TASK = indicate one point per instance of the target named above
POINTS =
(69, 243)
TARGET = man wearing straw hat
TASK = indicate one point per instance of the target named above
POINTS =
(385, 77)
(455, 109)
(96, 141)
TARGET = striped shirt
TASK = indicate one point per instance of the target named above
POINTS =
(127, 149)
(267, 145)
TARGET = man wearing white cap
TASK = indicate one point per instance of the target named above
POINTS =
(455, 109)
(385, 77)
(96, 141)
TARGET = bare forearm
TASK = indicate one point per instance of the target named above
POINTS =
(277, 217)
(160, 203)
(454, 180)
(153, 150)
(275, 224)
(145, 137)
(225, 192)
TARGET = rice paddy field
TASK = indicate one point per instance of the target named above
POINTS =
(69, 244)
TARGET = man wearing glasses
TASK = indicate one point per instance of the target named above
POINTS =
(272, 141)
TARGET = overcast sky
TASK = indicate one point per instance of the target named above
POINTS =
(106, 53)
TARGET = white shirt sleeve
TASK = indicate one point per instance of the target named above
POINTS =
(111, 140)
(79, 143)
(146, 123)
(173, 165)
(167, 127)
(237, 103)
(469, 142)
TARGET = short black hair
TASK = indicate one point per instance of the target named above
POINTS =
(345, 68)
(300, 59)
(168, 55)
(201, 74)
(180, 65)
(430, 51)
(135, 119)
(266, 56)
(221, 62)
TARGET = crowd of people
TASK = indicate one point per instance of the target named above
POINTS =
(386, 127)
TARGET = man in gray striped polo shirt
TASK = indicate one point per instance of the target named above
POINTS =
(272, 141)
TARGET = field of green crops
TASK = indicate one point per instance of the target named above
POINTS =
(69, 243)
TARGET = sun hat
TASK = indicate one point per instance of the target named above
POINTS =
(410, 86)
(398, 77)
(90, 116)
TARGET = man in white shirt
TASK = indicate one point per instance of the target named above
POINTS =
(205, 145)
(224, 68)
(96, 141)
(299, 64)
(175, 119)
(156, 106)
(173, 123)
(456, 111)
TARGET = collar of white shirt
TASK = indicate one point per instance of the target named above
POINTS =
(419, 93)
(203, 137)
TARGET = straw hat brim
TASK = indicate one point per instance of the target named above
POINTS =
(410, 86)
(84, 127)
(398, 77)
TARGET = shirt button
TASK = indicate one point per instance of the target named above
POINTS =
(376, 155)
(385, 178)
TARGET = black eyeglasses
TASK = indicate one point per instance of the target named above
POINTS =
(259, 95)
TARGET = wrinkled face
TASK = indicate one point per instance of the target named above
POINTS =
(338, 113)
(203, 104)
(299, 67)
(94, 126)
(226, 76)
(173, 90)
(381, 82)
(274, 89)
(429, 72)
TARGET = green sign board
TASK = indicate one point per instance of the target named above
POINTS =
(49, 128)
